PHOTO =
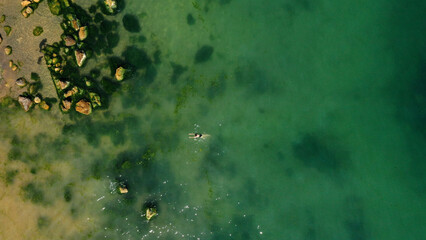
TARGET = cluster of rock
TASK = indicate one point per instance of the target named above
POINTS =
(64, 58)
(31, 97)
(28, 7)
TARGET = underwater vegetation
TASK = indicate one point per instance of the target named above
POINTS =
(322, 153)
(131, 23)
(203, 54)
(33, 193)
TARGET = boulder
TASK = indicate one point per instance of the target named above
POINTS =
(63, 84)
(83, 107)
(69, 41)
(21, 82)
(119, 73)
(66, 105)
(54, 6)
(25, 102)
(44, 105)
(123, 190)
(82, 33)
(37, 100)
(8, 50)
(110, 6)
(80, 57)
(150, 213)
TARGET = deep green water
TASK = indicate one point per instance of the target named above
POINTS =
(316, 112)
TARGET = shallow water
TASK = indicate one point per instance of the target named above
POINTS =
(315, 111)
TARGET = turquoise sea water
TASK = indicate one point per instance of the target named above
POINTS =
(315, 111)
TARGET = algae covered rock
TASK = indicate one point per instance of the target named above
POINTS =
(2, 18)
(83, 107)
(95, 99)
(37, 31)
(7, 30)
(25, 102)
(54, 6)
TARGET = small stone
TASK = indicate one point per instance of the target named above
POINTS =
(123, 190)
(21, 82)
(83, 107)
(37, 31)
(14, 67)
(44, 105)
(82, 33)
(69, 41)
(2, 18)
(10, 63)
(8, 50)
(25, 102)
(36, 1)
(37, 100)
(66, 105)
(150, 213)
(7, 30)
(80, 57)
(119, 73)
(71, 92)
(25, 3)
(1, 39)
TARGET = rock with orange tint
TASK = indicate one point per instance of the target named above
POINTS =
(83, 107)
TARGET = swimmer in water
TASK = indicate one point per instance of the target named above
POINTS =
(198, 135)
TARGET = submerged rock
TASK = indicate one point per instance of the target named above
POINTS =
(7, 30)
(120, 73)
(8, 50)
(83, 107)
(25, 102)
(82, 33)
(80, 57)
(95, 99)
(54, 6)
(21, 82)
(37, 31)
